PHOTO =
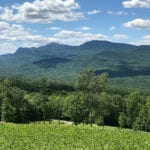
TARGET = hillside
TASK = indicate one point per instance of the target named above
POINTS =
(62, 136)
(127, 65)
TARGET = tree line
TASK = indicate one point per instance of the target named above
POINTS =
(89, 100)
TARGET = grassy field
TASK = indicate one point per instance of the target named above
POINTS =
(55, 136)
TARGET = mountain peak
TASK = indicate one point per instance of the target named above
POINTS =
(58, 61)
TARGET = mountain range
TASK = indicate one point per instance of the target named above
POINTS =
(127, 65)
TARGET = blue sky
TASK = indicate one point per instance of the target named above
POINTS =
(28, 23)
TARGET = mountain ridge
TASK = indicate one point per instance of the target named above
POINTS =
(92, 44)
(63, 62)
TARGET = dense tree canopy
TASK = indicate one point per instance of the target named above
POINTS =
(90, 100)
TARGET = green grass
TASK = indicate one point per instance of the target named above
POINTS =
(69, 137)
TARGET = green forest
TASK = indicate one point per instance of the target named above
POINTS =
(89, 100)
(127, 65)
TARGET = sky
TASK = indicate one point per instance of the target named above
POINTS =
(33, 23)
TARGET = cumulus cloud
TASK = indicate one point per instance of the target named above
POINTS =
(138, 24)
(10, 34)
(119, 13)
(7, 48)
(93, 12)
(3, 25)
(77, 38)
(120, 36)
(17, 32)
(112, 28)
(144, 40)
(42, 11)
(136, 4)
(13, 36)
(85, 28)
(54, 28)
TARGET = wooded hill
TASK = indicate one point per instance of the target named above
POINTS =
(89, 100)
(127, 65)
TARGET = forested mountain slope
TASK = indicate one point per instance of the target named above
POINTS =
(127, 65)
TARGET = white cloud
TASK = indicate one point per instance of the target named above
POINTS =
(17, 33)
(85, 28)
(93, 12)
(112, 28)
(7, 48)
(10, 34)
(138, 24)
(54, 28)
(42, 11)
(110, 12)
(136, 4)
(119, 13)
(77, 38)
(120, 36)
(145, 40)
(3, 25)
(122, 13)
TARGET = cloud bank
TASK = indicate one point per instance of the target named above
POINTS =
(42, 11)
(138, 24)
(136, 4)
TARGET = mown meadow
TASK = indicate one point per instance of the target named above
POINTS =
(54, 136)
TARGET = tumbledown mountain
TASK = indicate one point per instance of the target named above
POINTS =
(127, 65)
